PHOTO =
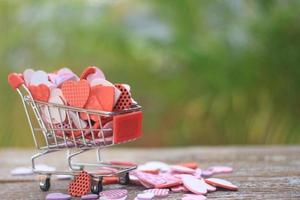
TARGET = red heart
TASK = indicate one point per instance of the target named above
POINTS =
(76, 93)
(40, 92)
(92, 104)
(124, 101)
(81, 185)
(89, 70)
(105, 96)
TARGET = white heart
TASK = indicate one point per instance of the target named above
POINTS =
(79, 123)
(27, 75)
(41, 77)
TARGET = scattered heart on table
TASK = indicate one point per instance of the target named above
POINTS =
(81, 185)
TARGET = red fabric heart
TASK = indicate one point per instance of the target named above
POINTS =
(81, 185)
(40, 92)
(105, 96)
(89, 70)
(76, 93)
(124, 101)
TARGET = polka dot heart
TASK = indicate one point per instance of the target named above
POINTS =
(124, 101)
(81, 185)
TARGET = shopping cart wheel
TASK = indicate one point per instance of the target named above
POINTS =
(96, 186)
(124, 179)
(45, 184)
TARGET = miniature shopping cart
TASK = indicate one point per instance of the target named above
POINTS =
(49, 138)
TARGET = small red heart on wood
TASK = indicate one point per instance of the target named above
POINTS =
(81, 185)
(105, 96)
(124, 101)
(89, 70)
(40, 92)
(76, 92)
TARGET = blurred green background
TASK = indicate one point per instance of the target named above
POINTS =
(206, 72)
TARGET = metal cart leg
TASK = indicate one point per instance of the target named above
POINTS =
(99, 155)
(45, 183)
(70, 156)
(96, 185)
(124, 179)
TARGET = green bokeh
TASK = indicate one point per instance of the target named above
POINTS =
(205, 72)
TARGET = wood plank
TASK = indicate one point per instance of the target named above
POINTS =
(271, 172)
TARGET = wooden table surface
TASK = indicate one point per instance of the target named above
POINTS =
(261, 172)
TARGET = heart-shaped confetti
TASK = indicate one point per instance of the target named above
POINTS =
(150, 179)
(75, 118)
(179, 188)
(221, 183)
(63, 75)
(196, 186)
(89, 70)
(107, 130)
(40, 92)
(182, 169)
(191, 165)
(91, 73)
(89, 197)
(76, 93)
(145, 196)
(124, 101)
(105, 96)
(158, 192)
(27, 75)
(193, 197)
(91, 104)
(170, 181)
(81, 185)
(114, 194)
(54, 115)
(104, 82)
(58, 196)
(40, 77)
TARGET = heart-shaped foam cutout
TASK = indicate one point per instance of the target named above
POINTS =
(76, 93)
(27, 75)
(63, 75)
(105, 96)
(91, 73)
(89, 70)
(40, 77)
(57, 92)
(124, 101)
(92, 104)
(40, 92)
(103, 82)
(78, 123)
(54, 115)
(81, 185)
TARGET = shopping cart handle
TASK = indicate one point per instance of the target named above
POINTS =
(15, 80)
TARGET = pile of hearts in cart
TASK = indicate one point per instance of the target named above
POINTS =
(89, 91)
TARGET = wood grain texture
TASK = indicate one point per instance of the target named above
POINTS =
(261, 172)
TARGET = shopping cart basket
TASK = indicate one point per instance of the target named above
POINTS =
(50, 136)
